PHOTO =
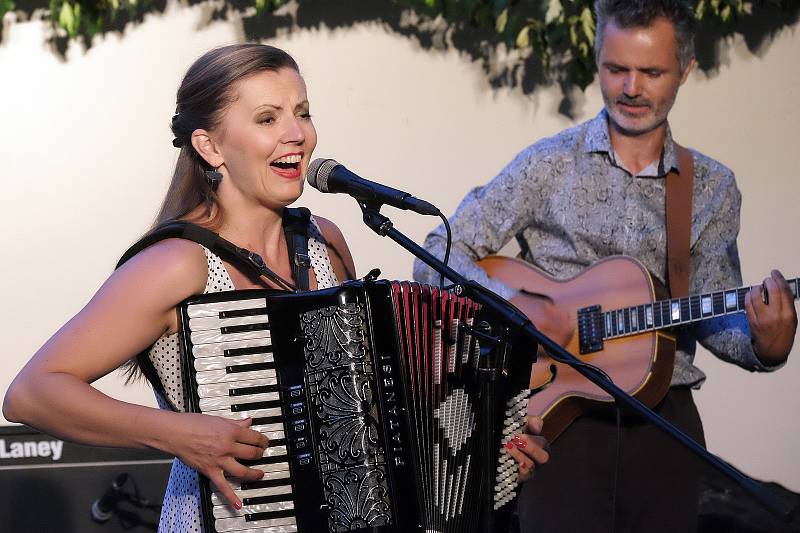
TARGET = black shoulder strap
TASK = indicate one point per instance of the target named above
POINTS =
(249, 262)
(295, 227)
(252, 264)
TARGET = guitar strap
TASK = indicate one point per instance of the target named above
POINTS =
(679, 222)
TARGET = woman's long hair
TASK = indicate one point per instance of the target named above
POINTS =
(207, 89)
(203, 96)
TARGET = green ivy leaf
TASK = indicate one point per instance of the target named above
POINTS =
(555, 11)
(68, 18)
(502, 20)
(523, 37)
(587, 21)
(563, 29)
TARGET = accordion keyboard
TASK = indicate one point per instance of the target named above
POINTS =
(235, 378)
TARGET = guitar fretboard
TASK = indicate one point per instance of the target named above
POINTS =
(678, 311)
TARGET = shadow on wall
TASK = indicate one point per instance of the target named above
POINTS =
(479, 44)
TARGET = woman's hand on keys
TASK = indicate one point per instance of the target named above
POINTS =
(211, 445)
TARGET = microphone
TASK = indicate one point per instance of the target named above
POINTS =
(103, 508)
(327, 175)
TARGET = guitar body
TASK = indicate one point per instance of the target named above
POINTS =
(639, 364)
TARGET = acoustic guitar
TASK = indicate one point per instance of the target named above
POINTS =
(621, 326)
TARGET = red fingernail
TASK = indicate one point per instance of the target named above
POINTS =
(237, 505)
(518, 441)
(509, 445)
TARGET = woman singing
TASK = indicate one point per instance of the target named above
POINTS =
(246, 137)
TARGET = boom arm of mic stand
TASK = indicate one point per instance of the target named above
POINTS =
(383, 226)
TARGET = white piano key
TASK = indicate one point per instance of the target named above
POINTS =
(226, 511)
(241, 415)
(220, 362)
(214, 308)
(268, 428)
(216, 336)
(214, 322)
(273, 469)
(218, 499)
(220, 376)
(274, 451)
(273, 435)
(209, 350)
(238, 523)
(213, 390)
(292, 528)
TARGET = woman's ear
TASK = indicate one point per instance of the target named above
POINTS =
(204, 144)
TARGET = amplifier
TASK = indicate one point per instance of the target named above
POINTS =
(50, 485)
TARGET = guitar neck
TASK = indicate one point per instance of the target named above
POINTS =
(670, 313)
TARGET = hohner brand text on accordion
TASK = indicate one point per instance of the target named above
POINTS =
(371, 395)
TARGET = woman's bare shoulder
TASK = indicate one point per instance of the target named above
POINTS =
(339, 252)
(177, 268)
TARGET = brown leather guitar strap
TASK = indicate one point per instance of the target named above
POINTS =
(679, 223)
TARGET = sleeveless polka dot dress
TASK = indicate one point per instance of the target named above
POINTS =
(181, 510)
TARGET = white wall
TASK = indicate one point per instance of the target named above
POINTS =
(86, 156)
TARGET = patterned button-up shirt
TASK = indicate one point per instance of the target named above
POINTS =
(570, 203)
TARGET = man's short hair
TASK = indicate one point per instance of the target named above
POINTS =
(641, 14)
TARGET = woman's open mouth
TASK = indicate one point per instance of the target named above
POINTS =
(287, 166)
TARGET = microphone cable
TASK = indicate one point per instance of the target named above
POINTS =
(447, 248)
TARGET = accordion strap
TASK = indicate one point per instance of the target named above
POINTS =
(295, 224)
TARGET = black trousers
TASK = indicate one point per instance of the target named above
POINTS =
(585, 488)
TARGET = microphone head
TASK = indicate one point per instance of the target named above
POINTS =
(319, 170)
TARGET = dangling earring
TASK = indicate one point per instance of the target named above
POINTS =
(213, 178)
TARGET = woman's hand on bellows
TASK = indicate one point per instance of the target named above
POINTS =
(211, 445)
(529, 449)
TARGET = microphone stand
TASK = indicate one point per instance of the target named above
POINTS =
(513, 317)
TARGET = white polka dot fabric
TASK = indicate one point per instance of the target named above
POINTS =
(181, 510)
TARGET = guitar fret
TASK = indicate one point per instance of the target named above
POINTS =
(730, 301)
(718, 303)
(675, 311)
(664, 313)
(694, 305)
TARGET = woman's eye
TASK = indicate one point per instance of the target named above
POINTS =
(266, 120)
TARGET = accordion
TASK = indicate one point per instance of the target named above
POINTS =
(377, 398)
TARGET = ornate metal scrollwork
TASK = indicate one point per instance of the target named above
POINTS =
(340, 377)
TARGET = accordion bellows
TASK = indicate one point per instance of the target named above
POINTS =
(377, 398)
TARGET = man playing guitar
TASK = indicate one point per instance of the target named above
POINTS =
(596, 191)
